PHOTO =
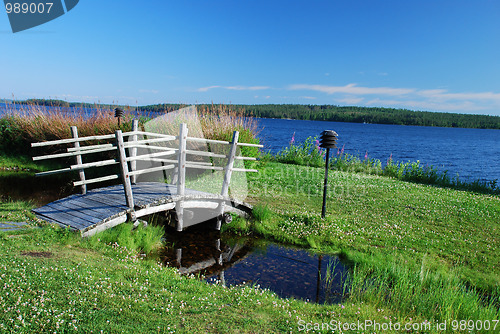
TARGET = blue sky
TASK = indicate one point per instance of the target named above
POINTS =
(421, 55)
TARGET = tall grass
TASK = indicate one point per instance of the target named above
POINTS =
(142, 239)
(309, 153)
(33, 123)
(419, 292)
(19, 127)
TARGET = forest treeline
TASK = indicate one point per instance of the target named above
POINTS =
(357, 115)
(335, 113)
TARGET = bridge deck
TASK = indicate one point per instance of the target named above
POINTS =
(103, 208)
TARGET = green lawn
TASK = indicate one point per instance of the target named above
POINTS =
(417, 253)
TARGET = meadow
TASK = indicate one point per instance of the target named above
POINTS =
(421, 253)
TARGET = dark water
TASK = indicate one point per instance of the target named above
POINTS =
(472, 153)
(25, 186)
(229, 260)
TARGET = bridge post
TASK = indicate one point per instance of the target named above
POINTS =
(230, 163)
(124, 172)
(133, 150)
(227, 177)
(181, 178)
(74, 134)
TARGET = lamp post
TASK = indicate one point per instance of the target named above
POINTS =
(328, 140)
(118, 114)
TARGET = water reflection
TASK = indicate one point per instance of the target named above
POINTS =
(229, 260)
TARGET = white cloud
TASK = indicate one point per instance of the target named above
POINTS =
(411, 98)
(250, 88)
(206, 89)
(152, 91)
(353, 89)
(351, 100)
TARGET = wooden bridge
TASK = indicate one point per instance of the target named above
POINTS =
(99, 209)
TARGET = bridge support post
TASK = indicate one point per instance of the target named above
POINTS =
(133, 150)
(227, 177)
(81, 172)
(181, 178)
(127, 186)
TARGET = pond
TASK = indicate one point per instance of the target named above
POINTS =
(221, 258)
(25, 186)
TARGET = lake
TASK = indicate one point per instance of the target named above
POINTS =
(472, 153)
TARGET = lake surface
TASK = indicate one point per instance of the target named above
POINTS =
(472, 153)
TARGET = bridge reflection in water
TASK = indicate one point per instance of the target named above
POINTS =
(229, 260)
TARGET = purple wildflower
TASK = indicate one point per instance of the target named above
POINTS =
(366, 155)
(390, 159)
(292, 141)
(341, 151)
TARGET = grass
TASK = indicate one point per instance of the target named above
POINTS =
(419, 253)
(53, 281)
(419, 249)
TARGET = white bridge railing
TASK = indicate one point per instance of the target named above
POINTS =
(171, 157)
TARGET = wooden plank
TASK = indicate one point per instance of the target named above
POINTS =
(102, 202)
(250, 145)
(95, 164)
(71, 140)
(210, 141)
(151, 155)
(97, 209)
(151, 170)
(190, 204)
(149, 141)
(56, 171)
(206, 154)
(153, 134)
(181, 182)
(75, 211)
(89, 147)
(57, 214)
(132, 151)
(245, 158)
(72, 154)
(155, 209)
(114, 202)
(97, 179)
(104, 226)
(245, 170)
(78, 159)
(229, 166)
(124, 169)
(154, 147)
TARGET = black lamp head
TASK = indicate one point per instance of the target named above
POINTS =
(328, 139)
(118, 112)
